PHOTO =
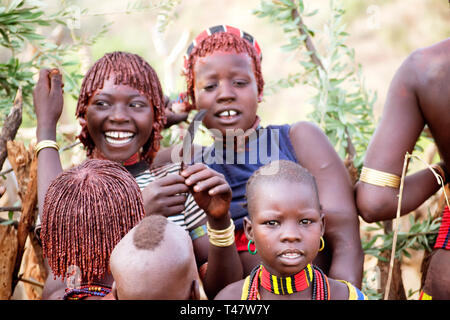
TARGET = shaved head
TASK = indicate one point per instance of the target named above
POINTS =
(154, 261)
(283, 171)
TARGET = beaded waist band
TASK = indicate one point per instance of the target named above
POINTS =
(443, 238)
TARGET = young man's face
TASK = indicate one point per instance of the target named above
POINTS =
(119, 119)
(286, 226)
(225, 85)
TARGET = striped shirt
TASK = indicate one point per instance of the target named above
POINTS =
(192, 214)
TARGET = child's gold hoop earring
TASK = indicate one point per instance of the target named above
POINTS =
(250, 250)
(322, 244)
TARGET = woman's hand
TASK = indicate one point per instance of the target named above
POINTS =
(48, 98)
(209, 189)
(164, 196)
(173, 116)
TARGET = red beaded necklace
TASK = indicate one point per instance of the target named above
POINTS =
(132, 160)
(298, 282)
(286, 285)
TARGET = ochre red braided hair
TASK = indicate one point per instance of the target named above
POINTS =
(87, 210)
(225, 42)
(127, 69)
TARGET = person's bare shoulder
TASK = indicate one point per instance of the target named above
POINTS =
(312, 146)
(338, 289)
(428, 64)
(303, 133)
(231, 292)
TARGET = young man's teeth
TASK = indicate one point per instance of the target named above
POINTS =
(228, 113)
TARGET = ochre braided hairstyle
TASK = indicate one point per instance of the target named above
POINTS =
(87, 210)
(225, 42)
(127, 69)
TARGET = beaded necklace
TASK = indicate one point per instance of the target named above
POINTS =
(132, 160)
(296, 283)
(83, 292)
(286, 285)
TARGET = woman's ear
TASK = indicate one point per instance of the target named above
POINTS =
(260, 97)
(82, 121)
(248, 228)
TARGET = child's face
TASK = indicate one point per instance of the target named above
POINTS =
(286, 226)
(225, 85)
(119, 119)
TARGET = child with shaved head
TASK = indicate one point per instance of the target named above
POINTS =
(155, 261)
(286, 224)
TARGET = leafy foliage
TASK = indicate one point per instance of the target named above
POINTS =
(342, 104)
(27, 49)
(421, 236)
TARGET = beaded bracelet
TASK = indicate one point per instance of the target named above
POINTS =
(221, 238)
(379, 178)
(198, 232)
(45, 144)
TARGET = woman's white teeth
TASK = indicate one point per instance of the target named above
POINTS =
(228, 113)
(118, 137)
(290, 255)
(119, 134)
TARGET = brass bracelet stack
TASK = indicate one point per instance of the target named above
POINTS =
(221, 238)
(379, 178)
(45, 144)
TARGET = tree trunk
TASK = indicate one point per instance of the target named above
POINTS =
(24, 164)
(8, 253)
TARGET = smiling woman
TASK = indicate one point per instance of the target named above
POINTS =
(119, 119)
(121, 110)
(126, 89)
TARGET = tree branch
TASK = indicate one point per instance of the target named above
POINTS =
(11, 125)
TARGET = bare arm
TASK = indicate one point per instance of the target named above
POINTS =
(315, 153)
(48, 104)
(213, 194)
(400, 126)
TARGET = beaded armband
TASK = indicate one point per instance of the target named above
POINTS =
(379, 178)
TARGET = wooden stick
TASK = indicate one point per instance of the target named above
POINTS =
(35, 283)
(308, 42)
(394, 239)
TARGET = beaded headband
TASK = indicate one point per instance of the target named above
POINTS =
(221, 28)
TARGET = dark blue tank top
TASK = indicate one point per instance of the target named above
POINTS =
(267, 145)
